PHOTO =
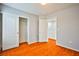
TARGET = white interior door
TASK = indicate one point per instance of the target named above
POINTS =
(43, 30)
(10, 31)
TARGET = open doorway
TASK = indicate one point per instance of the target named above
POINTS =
(52, 28)
(22, 30)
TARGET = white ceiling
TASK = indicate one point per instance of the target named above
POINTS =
(38, 9)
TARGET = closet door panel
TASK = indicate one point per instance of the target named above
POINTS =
(43, 26)
(10, 31)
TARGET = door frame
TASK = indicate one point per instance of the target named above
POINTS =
(50, 20)
(27, 27)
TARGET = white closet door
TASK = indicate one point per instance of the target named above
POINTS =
(43, 30)
(10, 31)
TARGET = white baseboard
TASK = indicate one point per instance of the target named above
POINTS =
(31, 42)
(43, 41)
(66, 47)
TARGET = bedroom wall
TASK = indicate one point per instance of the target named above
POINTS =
(67, 27)
(33, 21)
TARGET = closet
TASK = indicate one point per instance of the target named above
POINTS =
(14, 30)
(9, 28)
(23, 30)
(43, 30)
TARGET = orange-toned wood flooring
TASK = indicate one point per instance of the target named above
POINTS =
(40, 49)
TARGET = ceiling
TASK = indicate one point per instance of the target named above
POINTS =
(38, 9)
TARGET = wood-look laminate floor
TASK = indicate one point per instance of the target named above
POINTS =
(40, 49)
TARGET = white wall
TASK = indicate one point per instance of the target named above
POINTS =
(68, 27)
(33, 21)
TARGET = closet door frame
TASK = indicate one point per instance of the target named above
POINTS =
(10, 38)
(27, 40)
